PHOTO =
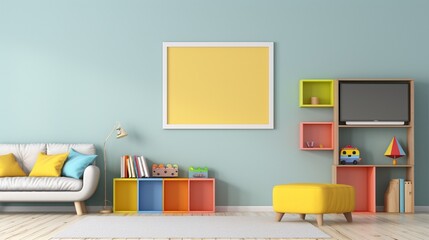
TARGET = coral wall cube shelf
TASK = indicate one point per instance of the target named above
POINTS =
(316, 93)
(317, 136)
(172, 195)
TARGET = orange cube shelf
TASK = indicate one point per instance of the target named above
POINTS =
(316, 136)
(176, 195)
(124, 195)
(362, 178)
(201, 195)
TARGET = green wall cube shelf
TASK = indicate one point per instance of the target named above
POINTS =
(322, 89)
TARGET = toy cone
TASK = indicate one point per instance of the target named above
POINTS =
(394, 150)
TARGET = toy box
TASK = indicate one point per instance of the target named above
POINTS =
(349, 154)
(161, 170)
(198, 172)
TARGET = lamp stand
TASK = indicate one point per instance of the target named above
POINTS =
(105, 209)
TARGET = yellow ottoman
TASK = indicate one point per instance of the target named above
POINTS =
(313, 198)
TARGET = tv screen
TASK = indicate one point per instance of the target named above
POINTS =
(374, 102)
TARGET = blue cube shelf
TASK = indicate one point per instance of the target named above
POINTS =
(150, 195)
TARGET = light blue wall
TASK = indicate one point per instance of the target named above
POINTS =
(70, 69)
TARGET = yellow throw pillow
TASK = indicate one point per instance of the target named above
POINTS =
(48, 165)
(9, 167)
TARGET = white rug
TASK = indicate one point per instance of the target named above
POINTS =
(190, 227)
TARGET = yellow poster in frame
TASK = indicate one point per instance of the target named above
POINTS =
(218, 85)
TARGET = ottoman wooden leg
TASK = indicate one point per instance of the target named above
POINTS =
(279, 216)
(319, 218)
(302, 216)
(348, 216)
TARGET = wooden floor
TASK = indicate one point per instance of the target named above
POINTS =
(365, 225)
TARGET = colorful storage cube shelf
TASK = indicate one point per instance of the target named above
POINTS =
(175, 195)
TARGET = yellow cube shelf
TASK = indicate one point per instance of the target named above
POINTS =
(316, 93)
(124, 195)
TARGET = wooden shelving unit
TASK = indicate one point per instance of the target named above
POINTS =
(365, 177)
(170, 195)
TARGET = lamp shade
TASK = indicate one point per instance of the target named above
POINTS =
(120, 132)
(394, 150)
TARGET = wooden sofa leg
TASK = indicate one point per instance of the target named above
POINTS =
(348, 216)
(302, 216)
(319, 218)
(80, 208)
(279, 216)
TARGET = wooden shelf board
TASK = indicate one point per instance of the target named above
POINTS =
(374, 126)
(316, 149)
(317, 105)
(383, 166)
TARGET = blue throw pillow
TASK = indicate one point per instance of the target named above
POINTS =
(76, 163)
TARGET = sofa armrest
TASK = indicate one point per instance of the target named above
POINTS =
(90, 180)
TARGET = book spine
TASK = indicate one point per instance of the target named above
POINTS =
(125, 167)
(136, 164)
(401, 195)
(141, 166)
(408, 196)
(145, 167)
(129, 167)
(133, 167)
(122, 166)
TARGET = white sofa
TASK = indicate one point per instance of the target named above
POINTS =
(48, 189)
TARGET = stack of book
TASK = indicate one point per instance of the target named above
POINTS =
(134, 167)
(398, 196)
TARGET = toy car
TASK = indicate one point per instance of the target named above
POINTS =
(349, 154)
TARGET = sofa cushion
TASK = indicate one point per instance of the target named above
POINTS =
(48, 165)
(76, 163)
(57, 148)
(9, 167)
(40, 184)
(25, 154)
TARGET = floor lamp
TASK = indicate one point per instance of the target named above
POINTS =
(120, 133)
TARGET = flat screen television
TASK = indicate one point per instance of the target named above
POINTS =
(372, 103)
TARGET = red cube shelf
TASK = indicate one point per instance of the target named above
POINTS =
(201, 195)
(362, 178)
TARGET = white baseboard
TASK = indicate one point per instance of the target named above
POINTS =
(93, 209)
(244, 208)
(40, 209)
(421, 209)
(417, 209)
